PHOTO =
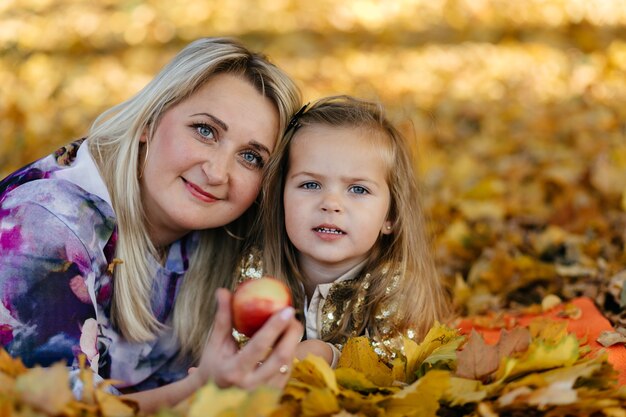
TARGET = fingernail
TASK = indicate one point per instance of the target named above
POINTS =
(287, 313)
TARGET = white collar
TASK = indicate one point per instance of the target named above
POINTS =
(84, 172)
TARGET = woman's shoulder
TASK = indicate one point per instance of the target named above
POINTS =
(51, 208)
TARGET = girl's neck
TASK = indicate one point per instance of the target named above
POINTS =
(317, 273)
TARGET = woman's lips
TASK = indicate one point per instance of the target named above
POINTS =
(199, 193)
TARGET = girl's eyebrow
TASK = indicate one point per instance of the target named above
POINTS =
(216, 120)
(344, 179)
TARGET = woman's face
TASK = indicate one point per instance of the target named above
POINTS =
(204, 162)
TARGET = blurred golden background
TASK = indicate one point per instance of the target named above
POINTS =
(518, 108)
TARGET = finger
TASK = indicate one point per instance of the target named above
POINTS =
(222, 325)
(275, 370)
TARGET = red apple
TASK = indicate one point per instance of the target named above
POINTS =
(255, 300)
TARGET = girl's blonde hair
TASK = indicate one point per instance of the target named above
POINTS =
(114, 141)
(418, 296)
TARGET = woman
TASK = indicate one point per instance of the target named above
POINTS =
(116, 246)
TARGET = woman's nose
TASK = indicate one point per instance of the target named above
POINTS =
(216, 170)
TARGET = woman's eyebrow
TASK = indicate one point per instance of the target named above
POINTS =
(259, 147)
(217, 121)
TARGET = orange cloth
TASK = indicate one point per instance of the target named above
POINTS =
(588, 327)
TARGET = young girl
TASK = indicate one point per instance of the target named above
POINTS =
(349, 235)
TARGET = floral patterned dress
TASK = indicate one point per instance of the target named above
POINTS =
(57, 241)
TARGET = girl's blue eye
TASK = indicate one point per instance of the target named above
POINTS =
(310, 186)
(357, 189)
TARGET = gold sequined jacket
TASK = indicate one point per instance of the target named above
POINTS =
(349, 295)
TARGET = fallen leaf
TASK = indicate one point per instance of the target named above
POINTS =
(477, 360)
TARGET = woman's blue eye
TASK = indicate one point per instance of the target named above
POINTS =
(205, 131)
(253, 159)
(357, 189)
(310, 186)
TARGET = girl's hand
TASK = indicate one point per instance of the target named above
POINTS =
(314, 347)
(266, 358)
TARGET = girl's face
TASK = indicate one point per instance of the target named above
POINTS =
(204, 162)
(336, 197)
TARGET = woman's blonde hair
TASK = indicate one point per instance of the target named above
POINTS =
(114, 141)
(405, 253)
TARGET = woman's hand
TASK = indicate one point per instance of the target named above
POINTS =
(266, 358)
(314, 347)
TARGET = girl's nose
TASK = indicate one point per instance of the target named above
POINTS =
(332, 203)
(216, 170)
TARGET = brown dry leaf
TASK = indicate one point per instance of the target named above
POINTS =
(513, 341)
(45, 389)
(359, 355)
(477, 360)
(608, 338)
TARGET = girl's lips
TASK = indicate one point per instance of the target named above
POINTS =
(199, 193)
(329, 232)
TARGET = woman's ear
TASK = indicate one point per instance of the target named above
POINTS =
(387, 228)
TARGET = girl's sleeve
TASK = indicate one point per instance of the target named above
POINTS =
(44, 273)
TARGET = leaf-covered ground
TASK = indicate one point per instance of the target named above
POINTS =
(517, 111)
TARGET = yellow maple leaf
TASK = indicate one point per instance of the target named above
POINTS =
(113, 406)
(549, 330)
(10, 366)
(463, 391)
(541, 356)
(583, 369)
(211, 401)
(363, 404)
(315, 372)
(354, 380)
(359, 355)
(320, 402)
(436, 337)
(398, 370)
(7, 385)
(45, 389)
(261, 402)
(420, 398)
